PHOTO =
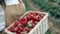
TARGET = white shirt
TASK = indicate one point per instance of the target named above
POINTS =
(2, 18)
(12, 2)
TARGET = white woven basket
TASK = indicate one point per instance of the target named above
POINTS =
(40, 28)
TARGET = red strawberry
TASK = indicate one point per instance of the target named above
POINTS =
(42, 15)
(18, 26)
(37, 18)
(27, 29)
(18, 32)
(31, 16)
(22, 32)
(24, 18)
(33, 25)
(35, 22)
(16, 23)
(24, 23)
(11, 29)
(28, 18)
(21, 29)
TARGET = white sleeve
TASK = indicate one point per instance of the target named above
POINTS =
(2, 18)
(11, 2)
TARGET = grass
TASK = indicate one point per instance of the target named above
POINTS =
(28, 7)
(48, 32)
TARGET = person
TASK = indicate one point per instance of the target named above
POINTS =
(10, 10)
(2, 15)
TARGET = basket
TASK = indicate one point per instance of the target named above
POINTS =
(40, 28)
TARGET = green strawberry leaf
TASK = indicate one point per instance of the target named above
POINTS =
(25, 32)
(30, 24)
(21, 25)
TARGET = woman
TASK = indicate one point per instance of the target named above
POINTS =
(2, 15)
(13, 10)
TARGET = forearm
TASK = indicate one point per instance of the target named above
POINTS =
(2, 18)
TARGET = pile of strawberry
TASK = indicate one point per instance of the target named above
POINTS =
(28, 22)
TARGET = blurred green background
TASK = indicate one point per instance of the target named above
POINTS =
(50, 6)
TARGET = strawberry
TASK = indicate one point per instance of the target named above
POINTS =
(22, 32)
(33, 25)
(27, 29)
(35, 22)
(16, 23)
(31, 16)
(24, 23)
(24, 19)
(11, 29)
(38, 19)
(42, 15)
(18, 32)
(28, 18)
(18, 26)
(21, 29)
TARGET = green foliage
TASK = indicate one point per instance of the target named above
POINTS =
(49, 6)
(28, 7)
(48, 32)
(56, 1)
